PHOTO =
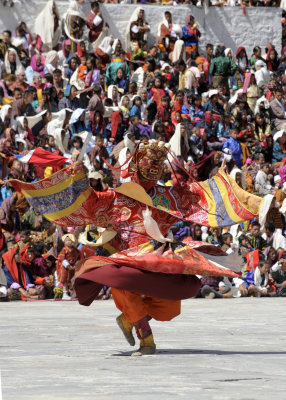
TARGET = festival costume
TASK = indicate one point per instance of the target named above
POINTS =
(72, 255)
(150, 273)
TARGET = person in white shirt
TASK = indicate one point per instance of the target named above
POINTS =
(262, 183)
(262, 75)
(273, 237)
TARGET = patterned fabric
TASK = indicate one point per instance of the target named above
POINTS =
(216, 202)
(219, 201)
(170, 258)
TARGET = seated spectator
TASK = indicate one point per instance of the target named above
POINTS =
(196, 145)
(278, 273)
(273, 237)
(257, 280)
(278, 111)
(228, 244)
(18, 282)
(279, 151)
(255, 238)
(261, 128)
(235, 286)
(262, 182)
(211, 288)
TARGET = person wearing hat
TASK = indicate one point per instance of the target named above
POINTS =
(67, 260)
(213, 105)
(262, 75)
(96, 181)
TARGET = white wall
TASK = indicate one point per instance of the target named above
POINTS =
(225, 25)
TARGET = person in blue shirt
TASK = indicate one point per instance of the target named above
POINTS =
(136, 108)
(196, 109)
(224, 127)
(233, 147)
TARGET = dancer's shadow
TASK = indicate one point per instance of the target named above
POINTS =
(168, 352)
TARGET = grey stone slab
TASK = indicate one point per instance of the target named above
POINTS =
(216, 349)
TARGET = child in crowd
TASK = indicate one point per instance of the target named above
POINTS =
(262, 182)
(233, 147)
(257, 280)
(196, 144)
(227, 241)
(82, 70)
(67, 260)
(255, 238)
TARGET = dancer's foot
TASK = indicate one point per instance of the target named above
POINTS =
(147, 347)
(126, 328)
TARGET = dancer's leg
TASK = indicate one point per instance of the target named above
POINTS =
(144, 334)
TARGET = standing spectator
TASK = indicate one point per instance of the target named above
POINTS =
(191, 35)
(73, 24)
(278, 110)
(278, 273)
(67, 260)
(47, 25)
(222, 68)
(94, 22)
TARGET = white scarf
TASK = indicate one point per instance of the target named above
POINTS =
(4, 111)
(57, 122)
(133, 18)
(45, 24)
(109, 93)
(105, 45)
(164, 22)
(242, 62)
(264, 208)
(233, 173)
(179, 46)
(258, 278)
(175, 141)
(7, 62)
(281, 105)
(73, 10)
(122, 159)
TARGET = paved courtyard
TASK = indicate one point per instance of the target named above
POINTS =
(217, 349)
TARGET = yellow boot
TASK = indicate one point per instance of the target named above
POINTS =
(126, 328)
(147, 347)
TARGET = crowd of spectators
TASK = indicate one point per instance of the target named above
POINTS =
(197, 3)
(209, 103)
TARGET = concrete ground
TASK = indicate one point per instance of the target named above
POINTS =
(217, 349)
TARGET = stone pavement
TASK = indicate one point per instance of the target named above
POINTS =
(217, 349)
